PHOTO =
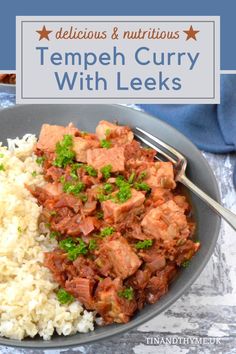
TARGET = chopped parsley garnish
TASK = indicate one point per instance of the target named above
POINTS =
(106, 144)
(1, 155)
(107, 132)
(19, 229)
(107, 187)
(82, 247)
(48, 225)
(92, 245)
(2, 168)
(54, 234)
(100, 214)
(185, 264)
(74, 248)
(124, 192)
(131, 178)
(91, 171)
(72, 188)
(53, 213)
(34, 173)
(107, 231)
(64, 153)
(62, 179)
(141, 186)
(144, 244)
(102, 197)
(120, 180)
(106, 171)
(74, 168)
(40, 160)
(128, 293)
(77, 251)
(64, 297)
(142, 176)
(73, 172)
(83, 197)
(67, 244)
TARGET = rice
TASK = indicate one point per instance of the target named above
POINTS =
(28, 302)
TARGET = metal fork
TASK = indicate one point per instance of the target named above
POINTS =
(180, 164)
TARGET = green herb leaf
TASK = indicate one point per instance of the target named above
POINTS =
(53, 213)
(107, 231)
(128, 293)
(120, 181)
(106, 144)
(79, 249)
(92, 245)
(1, 155)
(144, 244)
(73, 248)
(34, 173)
(74, 169)
(107, 132)
(64, 297)
(131, 178)
(124, 194)
(67, 244)
(40, 160)
(185, 264)
(102, 197)
(83, 197)
(62, 179)
(107, 187)
(19, 229)
(73, 172)
(91, 171)
(64, 153)
(142, 176)
(2, 168)
(124, 189)
(141, 186)
(106, 171)
(100, 214)
(75, 189)
(54, 234)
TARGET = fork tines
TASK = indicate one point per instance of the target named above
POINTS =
(160, 146)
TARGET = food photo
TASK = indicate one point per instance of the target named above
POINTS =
(7, 83)
(108, 216)
(8, 79)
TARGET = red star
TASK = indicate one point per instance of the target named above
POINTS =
(43, 33)
(191, 33)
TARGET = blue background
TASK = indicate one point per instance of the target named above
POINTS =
(11, 8)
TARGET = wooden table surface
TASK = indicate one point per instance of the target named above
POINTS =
(203, 320)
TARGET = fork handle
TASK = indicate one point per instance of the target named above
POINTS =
(219, 209)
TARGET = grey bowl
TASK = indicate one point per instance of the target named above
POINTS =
(18, 120)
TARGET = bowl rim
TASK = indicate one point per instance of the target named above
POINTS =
(117, 331)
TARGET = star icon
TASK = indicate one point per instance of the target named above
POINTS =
(191, 33)
(43, 34)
